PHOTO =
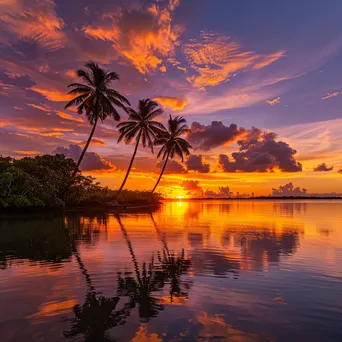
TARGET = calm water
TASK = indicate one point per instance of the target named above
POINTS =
(192, 271)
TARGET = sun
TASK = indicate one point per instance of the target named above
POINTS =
(180, 197)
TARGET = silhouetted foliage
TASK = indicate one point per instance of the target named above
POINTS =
(141, 126)
(171, 142)
(40, 182)
(95, 98)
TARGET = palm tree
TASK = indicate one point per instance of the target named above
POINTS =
(172, 143)
(95, 98)
(141, 126)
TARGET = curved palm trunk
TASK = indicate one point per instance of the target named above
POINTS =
(85, 148)
(161, 174)
(129, 168)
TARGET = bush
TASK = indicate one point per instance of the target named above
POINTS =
(47, 181)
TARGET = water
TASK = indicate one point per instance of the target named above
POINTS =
(192, 271)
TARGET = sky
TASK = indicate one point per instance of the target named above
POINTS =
(259, 83)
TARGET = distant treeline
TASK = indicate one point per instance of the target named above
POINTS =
(48, 182)
(259, 198)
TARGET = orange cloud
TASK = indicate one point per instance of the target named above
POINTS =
(216, 58)
(43, 108)
(171, 102)
(145, 42)
(70, 73)
(52, 95)
(36, 20)
(44, 68)
(329, 96)
(94, 142)
(70, 117)
(268, 59)
(27, 153)
(111, 34)
(274, 101)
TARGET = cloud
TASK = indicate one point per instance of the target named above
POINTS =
(289, 190)
(216, 58)
(197, 163)
(144, 37)
(67, 116)
(173, 103)
(214, 135)
(91, 161)
(172, 166)
(26, 153)
(192, 187)
(94, 142)
(52, 95)
(339, 171)
(274, 101)
(40, 107)
(260, 152)
(224, 192)
(323, 168)
(331, 95)
(34, 21)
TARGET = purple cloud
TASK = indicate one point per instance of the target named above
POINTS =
(323, 168)
(197, 163)
(260, 152)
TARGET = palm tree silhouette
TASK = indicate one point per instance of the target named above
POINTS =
(139, 289)
(173, 267)
(95, 98)
(172, 143)
(141, 126)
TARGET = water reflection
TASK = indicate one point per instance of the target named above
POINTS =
(192, 271)
(37, 240)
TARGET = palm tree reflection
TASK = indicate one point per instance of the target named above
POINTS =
(140, 289)
(173, 267)
(97, 314)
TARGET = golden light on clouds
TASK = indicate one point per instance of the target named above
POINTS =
(70, 117)
(36, 21)
(216, 58)
(331, 95)
(143, 38)
(173, 103)
(274, 101)
(40, 107)
(266, 60)
(53, 95)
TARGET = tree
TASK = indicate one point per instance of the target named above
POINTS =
(95, 98)
(141, 126)
(172, 143)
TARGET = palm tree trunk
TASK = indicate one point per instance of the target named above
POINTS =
(85, 148)
(161, 174)
(129, 168)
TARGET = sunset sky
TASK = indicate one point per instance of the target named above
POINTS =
(259, 82)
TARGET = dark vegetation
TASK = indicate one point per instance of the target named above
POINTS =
(48, 182)
(54, 181)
